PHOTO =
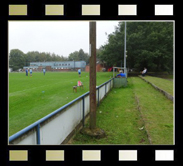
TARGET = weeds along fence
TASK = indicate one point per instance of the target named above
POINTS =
(54, 128)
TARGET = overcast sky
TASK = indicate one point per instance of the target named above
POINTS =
(59, 37)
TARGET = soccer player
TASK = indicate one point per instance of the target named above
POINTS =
(79, 72)
(44, 71)
(30, 72)
(26, 71)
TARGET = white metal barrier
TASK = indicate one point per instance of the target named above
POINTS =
(54, 128)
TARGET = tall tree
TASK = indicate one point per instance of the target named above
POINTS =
(16, 59)
(149, 44)
(78, 56)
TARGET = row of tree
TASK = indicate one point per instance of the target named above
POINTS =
(78, 56)
(18, 59)
(148, 44)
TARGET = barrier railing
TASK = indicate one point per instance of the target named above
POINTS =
(37, 125)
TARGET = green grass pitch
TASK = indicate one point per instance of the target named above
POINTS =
(31, 98)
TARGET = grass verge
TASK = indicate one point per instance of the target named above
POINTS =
(163, 84)
(157, 111)
(119, 116)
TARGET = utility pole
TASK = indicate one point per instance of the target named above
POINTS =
(93, 75)
(93, 130)
(125, 50)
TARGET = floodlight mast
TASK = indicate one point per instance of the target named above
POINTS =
(125, 51)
